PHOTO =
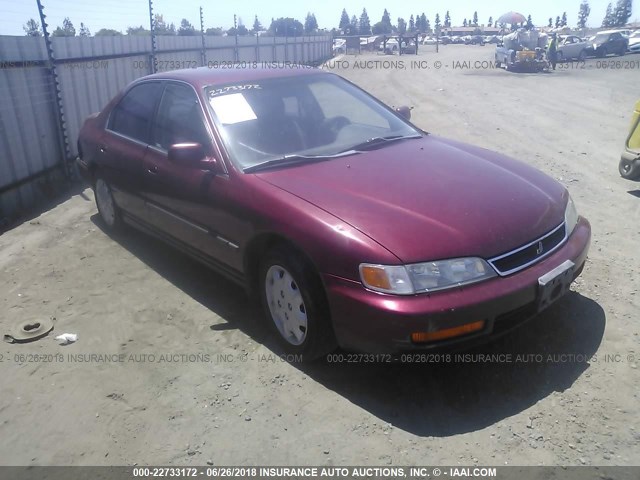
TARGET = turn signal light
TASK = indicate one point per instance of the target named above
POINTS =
(424, 337)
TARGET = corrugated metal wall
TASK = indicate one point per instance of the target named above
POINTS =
(91, 70)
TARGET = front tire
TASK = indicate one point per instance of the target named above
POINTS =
(107, 208)
(295, 306)
(629, 169)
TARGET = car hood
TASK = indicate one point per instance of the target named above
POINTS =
(431, 198)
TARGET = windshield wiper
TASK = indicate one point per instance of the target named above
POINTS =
(295, 159)
(377, 141)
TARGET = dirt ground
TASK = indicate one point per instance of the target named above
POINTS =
(193, 377)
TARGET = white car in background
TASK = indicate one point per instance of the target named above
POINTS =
(571, 47)
(634, 42)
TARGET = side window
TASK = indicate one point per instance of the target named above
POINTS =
(132, 116)
(179, 119)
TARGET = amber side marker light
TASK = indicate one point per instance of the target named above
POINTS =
(424, 337)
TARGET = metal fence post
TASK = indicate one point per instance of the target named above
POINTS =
(204, 48)
(59, 108)
(154, 46)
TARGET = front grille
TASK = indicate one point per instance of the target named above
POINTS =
(528, 254)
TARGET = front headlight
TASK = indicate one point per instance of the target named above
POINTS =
(570, 216)
(424, 277)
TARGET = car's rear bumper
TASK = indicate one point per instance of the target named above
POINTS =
(373, 322)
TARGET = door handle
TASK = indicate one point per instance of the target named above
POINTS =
(153, 169)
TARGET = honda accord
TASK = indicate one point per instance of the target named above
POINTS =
(352, 226)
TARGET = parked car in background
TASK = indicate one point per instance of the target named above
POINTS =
(475, 40)
(445, 40)
(339, 46)
(390, 47)
(634, 42)
(352, 226)
(607, 42)
(572, 47)
(629, 166)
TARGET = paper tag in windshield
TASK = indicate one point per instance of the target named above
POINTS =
(232, 108)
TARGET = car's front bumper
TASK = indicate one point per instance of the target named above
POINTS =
(373, 322)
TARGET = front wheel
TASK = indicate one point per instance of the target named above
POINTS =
(107, 208)
(294, 303)
(582, 56)
(629, 169)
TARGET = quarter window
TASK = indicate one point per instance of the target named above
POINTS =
(132, 116)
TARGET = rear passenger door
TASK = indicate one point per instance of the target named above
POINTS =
(125, 142)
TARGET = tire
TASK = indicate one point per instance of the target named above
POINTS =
(622, 51)
(582, 56)
(294, 304)
(603, 52)
(629, 169)
(107, 208)
(560, 57)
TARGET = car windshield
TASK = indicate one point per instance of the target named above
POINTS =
(304, 116)
(600, 38)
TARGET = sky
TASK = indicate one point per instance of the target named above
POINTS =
(119, 14)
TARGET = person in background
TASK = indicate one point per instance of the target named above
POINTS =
(552, 51)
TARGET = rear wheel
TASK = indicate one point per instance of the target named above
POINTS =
(629, 169)
(107, 208)
(294, 303)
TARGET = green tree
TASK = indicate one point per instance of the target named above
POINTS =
(609, 19)
(108, 32)
(475, 19)
(583, 13)
(436, 24)
(84, 30)
(257, 26)
(622, 12)
(529, 24)
(490, 22)
(424, 23)
(558, 21)
(186, 29)
(345, 23)
(354, 27)
(32, 28)
(427, 25)
(563, 20)
(386, 22)
(464, 23)
(67, 29)
(365, 23)
(138, 31)
(447, 20)
(402, 26)
(550, 22)
(161, 27)
(310, 23)
(214, 32)
(286, 27)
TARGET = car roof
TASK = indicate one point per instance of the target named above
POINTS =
(205, 76)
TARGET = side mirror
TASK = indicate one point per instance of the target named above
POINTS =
(190, 155)
(405, 111)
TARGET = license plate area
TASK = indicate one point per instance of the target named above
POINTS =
(552, 285)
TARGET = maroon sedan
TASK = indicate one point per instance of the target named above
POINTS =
(354, 227)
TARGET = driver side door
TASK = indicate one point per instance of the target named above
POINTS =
(183, 200)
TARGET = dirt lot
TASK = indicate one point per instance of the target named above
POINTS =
(200, 381)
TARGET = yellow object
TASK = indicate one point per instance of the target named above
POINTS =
(526, 55)
(423, 337)
(633, 142)
(375, 277)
